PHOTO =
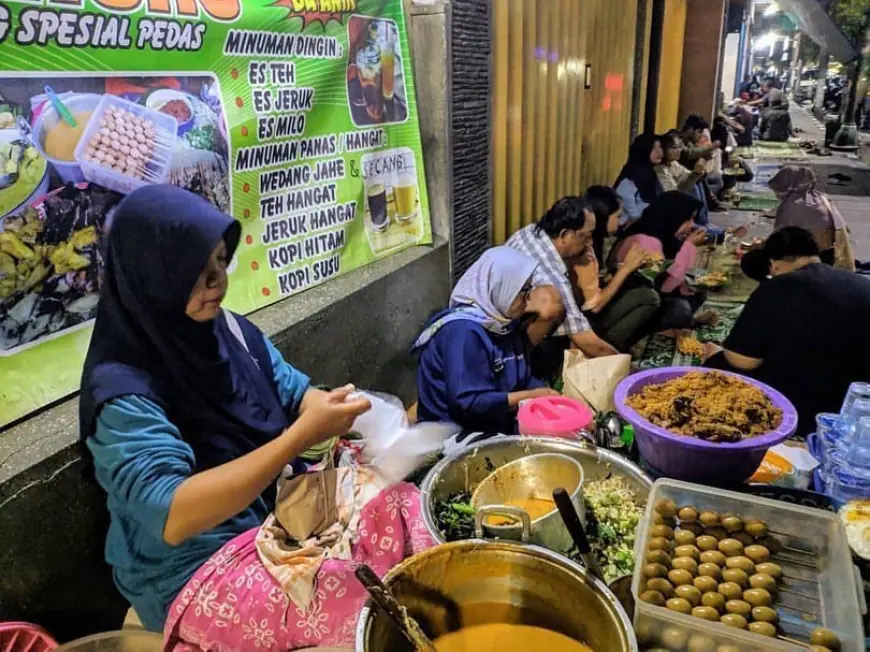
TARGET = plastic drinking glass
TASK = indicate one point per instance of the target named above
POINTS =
(859, 409)
(846, 486)
(855, 392)
(831, 429)
(858, 451)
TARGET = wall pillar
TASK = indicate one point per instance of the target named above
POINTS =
(699, 89)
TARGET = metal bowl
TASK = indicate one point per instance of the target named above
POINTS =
(530, 477)
(465, 470)
(467, 583)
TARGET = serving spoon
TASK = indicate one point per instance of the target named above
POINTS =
(385, 599)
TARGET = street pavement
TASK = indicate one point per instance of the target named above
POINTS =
(852, 199)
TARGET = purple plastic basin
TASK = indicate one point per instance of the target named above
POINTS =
(692, 459)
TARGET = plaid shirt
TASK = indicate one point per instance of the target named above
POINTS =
(551, 271)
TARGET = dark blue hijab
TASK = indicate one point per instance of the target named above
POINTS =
(220, 395)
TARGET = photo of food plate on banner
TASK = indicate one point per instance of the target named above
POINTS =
(71, 147)
(392, 200)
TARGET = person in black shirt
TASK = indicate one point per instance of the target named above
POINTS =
(804, 331)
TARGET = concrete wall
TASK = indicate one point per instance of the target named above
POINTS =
(701, 51)
(53, 523)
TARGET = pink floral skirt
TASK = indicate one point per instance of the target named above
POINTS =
(232, 604)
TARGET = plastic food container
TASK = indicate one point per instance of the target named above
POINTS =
(68, 171)
(555, 416)
(158, 166)
(824, 586)
(24, 637)
(692, 459)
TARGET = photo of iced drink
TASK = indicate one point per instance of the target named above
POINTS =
(376, 196)
(388, 71)
(368, 61)
(405, 192)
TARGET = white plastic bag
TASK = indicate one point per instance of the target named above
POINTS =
(391, 444)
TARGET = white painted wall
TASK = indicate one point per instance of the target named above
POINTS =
(729, 65)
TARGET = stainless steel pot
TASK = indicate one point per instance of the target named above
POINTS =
(536, 477)
(474, 582)
(465, 470)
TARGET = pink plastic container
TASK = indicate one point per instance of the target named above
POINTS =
(554, 416)
(24, 637)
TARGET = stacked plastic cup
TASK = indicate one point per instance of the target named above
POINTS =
(857, 391)
(831, 432)
(850, 477)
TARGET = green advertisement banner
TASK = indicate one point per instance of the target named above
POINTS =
(297, 117)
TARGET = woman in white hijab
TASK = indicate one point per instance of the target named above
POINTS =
(474, 368)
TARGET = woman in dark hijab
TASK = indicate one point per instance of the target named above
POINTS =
(187, 412)
(667, 231)
(637, 184)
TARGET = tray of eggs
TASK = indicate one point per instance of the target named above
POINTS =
(126, 145)
(702, 566)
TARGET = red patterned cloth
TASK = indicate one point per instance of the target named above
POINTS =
(232, 604)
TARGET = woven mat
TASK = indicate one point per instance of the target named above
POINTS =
(661, 350)
(722, 259)
(756, 201)
(764, 149)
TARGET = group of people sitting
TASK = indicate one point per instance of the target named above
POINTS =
(556, 285)
(188, 413)
(773, 120)
(695, 161)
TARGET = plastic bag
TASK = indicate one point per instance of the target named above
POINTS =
(391, 443)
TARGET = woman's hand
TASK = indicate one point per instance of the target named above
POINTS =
(700, 167)
(208, 498)
(740, 231)
(710, 349)
(515, 398)
(635, 258)
(698, 237)
(330, 414)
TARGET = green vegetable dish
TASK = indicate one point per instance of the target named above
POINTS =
(21, 171)
(612, 516)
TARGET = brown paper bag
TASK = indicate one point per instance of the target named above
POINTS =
(593, 380)
(306, 504)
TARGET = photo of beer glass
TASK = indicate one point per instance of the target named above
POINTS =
(376, 197)
(388, 67)
(405, 193)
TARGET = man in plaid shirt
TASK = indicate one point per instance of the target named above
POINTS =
(561, 235)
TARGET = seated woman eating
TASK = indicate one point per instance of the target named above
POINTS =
(189, 414)
(474, 364)
(620, 308)
(667, 231)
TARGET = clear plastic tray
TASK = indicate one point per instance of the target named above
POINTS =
(834, 597)
(157, 167)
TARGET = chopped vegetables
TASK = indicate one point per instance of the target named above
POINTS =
(455, 517)
(612, 516)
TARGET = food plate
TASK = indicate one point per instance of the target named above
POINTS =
(19, 160)
(651, 270)
(707, 280)
(50, 265)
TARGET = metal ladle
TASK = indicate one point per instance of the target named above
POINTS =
(621, 586)
(383, 597)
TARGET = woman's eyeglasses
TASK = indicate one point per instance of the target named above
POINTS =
(526, 291)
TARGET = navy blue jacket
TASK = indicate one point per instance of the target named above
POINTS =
(466, 373)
